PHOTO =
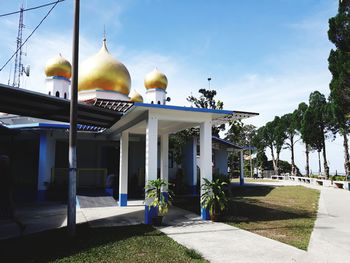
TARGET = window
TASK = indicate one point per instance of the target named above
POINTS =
(50, 93)
(57, 94)
(65, 95)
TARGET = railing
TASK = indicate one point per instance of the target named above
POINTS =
(321, 182)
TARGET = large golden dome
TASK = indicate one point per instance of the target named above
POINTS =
(58, 66)
(135, 96)
(156, 80)
(103, 72)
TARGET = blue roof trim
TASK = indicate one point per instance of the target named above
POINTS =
(248, 147)
(172, 107)
(60, 77)
(228, 143)
(39, 125)
(54, 126)
(156, 89)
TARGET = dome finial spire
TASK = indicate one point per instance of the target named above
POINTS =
(104, 33)
(104, 40)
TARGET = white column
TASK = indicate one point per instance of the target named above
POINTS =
(205, 141)
(123, 169)
(151, 160)
(46, 163)
(241, 178)
(164, 159)
(151, 148)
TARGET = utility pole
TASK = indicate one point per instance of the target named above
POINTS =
(72, 188)
(18, 59)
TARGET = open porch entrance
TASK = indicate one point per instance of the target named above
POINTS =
(156, 123)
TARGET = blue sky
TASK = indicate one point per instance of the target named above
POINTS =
(262, 55)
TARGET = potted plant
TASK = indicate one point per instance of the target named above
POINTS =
(214, 197)
(159, 200)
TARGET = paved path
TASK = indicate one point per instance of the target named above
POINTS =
(220, 242)
(330, 240)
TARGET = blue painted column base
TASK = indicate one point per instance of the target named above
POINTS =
(241, 181)
(150, 212)
(41, 196)
(123, 199)
(193, 190)
(205, 215)
(109, 191)
(166, 196)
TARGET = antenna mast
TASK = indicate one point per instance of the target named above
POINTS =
(18, 59)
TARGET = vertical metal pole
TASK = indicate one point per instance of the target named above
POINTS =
(251, 164)
(73, 127)
(241, 178)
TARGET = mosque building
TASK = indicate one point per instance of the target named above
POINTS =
(121, 135)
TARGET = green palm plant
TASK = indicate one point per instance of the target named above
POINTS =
(158, 199)
(214, 197)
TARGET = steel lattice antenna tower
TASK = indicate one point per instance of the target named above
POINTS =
(18, 59)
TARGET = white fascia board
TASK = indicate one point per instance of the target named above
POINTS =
(177, 115)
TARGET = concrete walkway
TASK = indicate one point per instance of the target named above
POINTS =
(330, 240)
(50, 215)
(219, 242)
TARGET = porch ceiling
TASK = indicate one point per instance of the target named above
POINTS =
(171, 119)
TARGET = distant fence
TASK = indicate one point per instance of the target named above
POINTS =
(86, 177)
(269, 173)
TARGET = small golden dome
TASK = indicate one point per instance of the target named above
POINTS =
(156, 80)
(58, 66)
(103, 72)
(135, 96)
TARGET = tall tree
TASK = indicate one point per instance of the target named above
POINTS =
(299, 114)
(274, 136)
(339, 66)
(260, 143)
(240, 133)
(290, 123)
(315, 125)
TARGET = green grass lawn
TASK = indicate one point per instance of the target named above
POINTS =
(139, 243)
(286, 214)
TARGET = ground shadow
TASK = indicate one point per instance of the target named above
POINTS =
(250, 190)
(241, 210)
(55, 244)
